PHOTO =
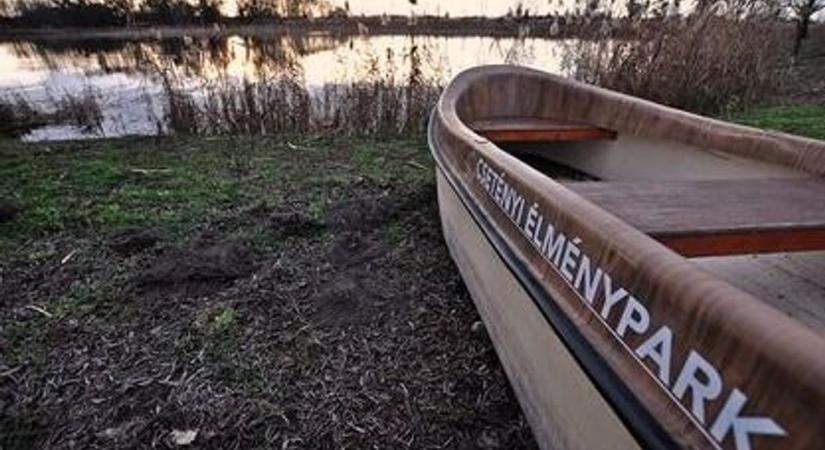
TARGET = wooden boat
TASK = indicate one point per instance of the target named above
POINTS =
(649, 278)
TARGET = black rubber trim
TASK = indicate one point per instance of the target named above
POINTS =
(638, 420)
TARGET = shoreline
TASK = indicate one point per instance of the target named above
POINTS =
(540, 27)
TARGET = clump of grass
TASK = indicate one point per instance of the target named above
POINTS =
(222, 322)
(721, 57)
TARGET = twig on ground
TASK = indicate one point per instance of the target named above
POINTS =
(40, 310)
(68, 257)
(149, 171)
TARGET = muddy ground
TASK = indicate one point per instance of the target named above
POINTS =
(183, 293)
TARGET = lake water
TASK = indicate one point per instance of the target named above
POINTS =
(126, 75)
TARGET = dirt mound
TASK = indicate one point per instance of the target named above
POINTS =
(293, 222)
(211, 263)
(361, 210)
(353, 297)
(134, 241)
(363, 213)
(351, 249)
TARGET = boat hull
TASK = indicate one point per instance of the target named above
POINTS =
(562, 405)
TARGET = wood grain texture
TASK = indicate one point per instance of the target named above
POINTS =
(718, 217)
(526, 129)
(792, 283)
(773, 359)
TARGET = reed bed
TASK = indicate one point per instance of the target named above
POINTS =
(381, 102)
(390, 95)
(274, 105)
(724, 56)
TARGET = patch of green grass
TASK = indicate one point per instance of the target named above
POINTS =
(99, 188)
(109, 186)
(803, 120)
(402, 161)
(223, 322)
(28, 341)
(395, 233)
(317, 208)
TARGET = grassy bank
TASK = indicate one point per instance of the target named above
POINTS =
(289, 293)
(803, 120)
(105, 187)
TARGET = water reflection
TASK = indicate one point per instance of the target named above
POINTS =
(130, 74)
(203, 57)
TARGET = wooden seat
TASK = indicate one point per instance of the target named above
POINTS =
(507, 130)
(719, 217)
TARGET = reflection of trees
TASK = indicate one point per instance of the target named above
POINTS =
(187, 56)
(193, 57)
(282, 54)
(58, 54)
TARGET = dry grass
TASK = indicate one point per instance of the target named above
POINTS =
(724, 58)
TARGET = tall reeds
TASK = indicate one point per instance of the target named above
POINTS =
(380, 102)
(723, 56)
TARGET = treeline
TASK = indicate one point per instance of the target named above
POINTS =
(112, 13)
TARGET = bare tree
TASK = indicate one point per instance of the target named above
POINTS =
(803, 12)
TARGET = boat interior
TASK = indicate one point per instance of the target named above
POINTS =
(758, 226)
